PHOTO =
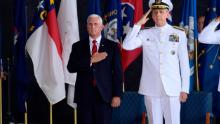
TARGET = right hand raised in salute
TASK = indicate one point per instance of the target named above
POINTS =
(144, 18)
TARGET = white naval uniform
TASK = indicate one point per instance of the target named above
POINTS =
(210, 36)
(165, 70)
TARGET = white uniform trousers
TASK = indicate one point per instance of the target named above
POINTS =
(163, 106)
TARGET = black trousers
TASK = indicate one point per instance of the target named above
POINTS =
(95, 110)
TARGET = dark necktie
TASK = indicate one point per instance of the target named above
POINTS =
(94, 50)
(94, 47)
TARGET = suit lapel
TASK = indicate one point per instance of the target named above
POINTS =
(102, 45)
(87, 48)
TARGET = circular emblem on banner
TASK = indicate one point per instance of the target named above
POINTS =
(111, 31)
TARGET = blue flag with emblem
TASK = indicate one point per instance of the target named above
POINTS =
(113, 20)
(22, 77)
(208, 59)
(188, 22)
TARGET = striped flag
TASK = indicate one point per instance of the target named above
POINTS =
(132, 11)
(45, 49)
(69, 32)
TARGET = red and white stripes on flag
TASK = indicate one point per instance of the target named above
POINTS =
(132, 11)
(45, 49)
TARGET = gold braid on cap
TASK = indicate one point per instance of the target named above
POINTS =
(160, 5)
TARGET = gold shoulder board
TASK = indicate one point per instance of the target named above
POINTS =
(179, 28)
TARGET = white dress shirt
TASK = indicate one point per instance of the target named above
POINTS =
(98, 40)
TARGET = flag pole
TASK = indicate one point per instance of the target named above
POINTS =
(196, 66)
(1, 99)
(25, 114)
(1, 76)
(1, 73)
(9, 86)
(75, 116)
(51, 114)
(196, 46)
(26, 37)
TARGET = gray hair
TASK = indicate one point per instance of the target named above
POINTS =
(95, 15)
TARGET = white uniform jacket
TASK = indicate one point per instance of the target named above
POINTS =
(165, 59)
(210, 36)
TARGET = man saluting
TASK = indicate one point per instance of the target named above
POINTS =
(165, 70)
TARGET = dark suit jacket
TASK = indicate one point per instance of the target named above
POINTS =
(107, 73)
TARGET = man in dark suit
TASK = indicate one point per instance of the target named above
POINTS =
(97, 62)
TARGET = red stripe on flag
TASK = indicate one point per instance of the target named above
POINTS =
(129, 56)
(53, 30)
(138, 11)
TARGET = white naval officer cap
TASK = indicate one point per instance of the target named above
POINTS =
(161, 4)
